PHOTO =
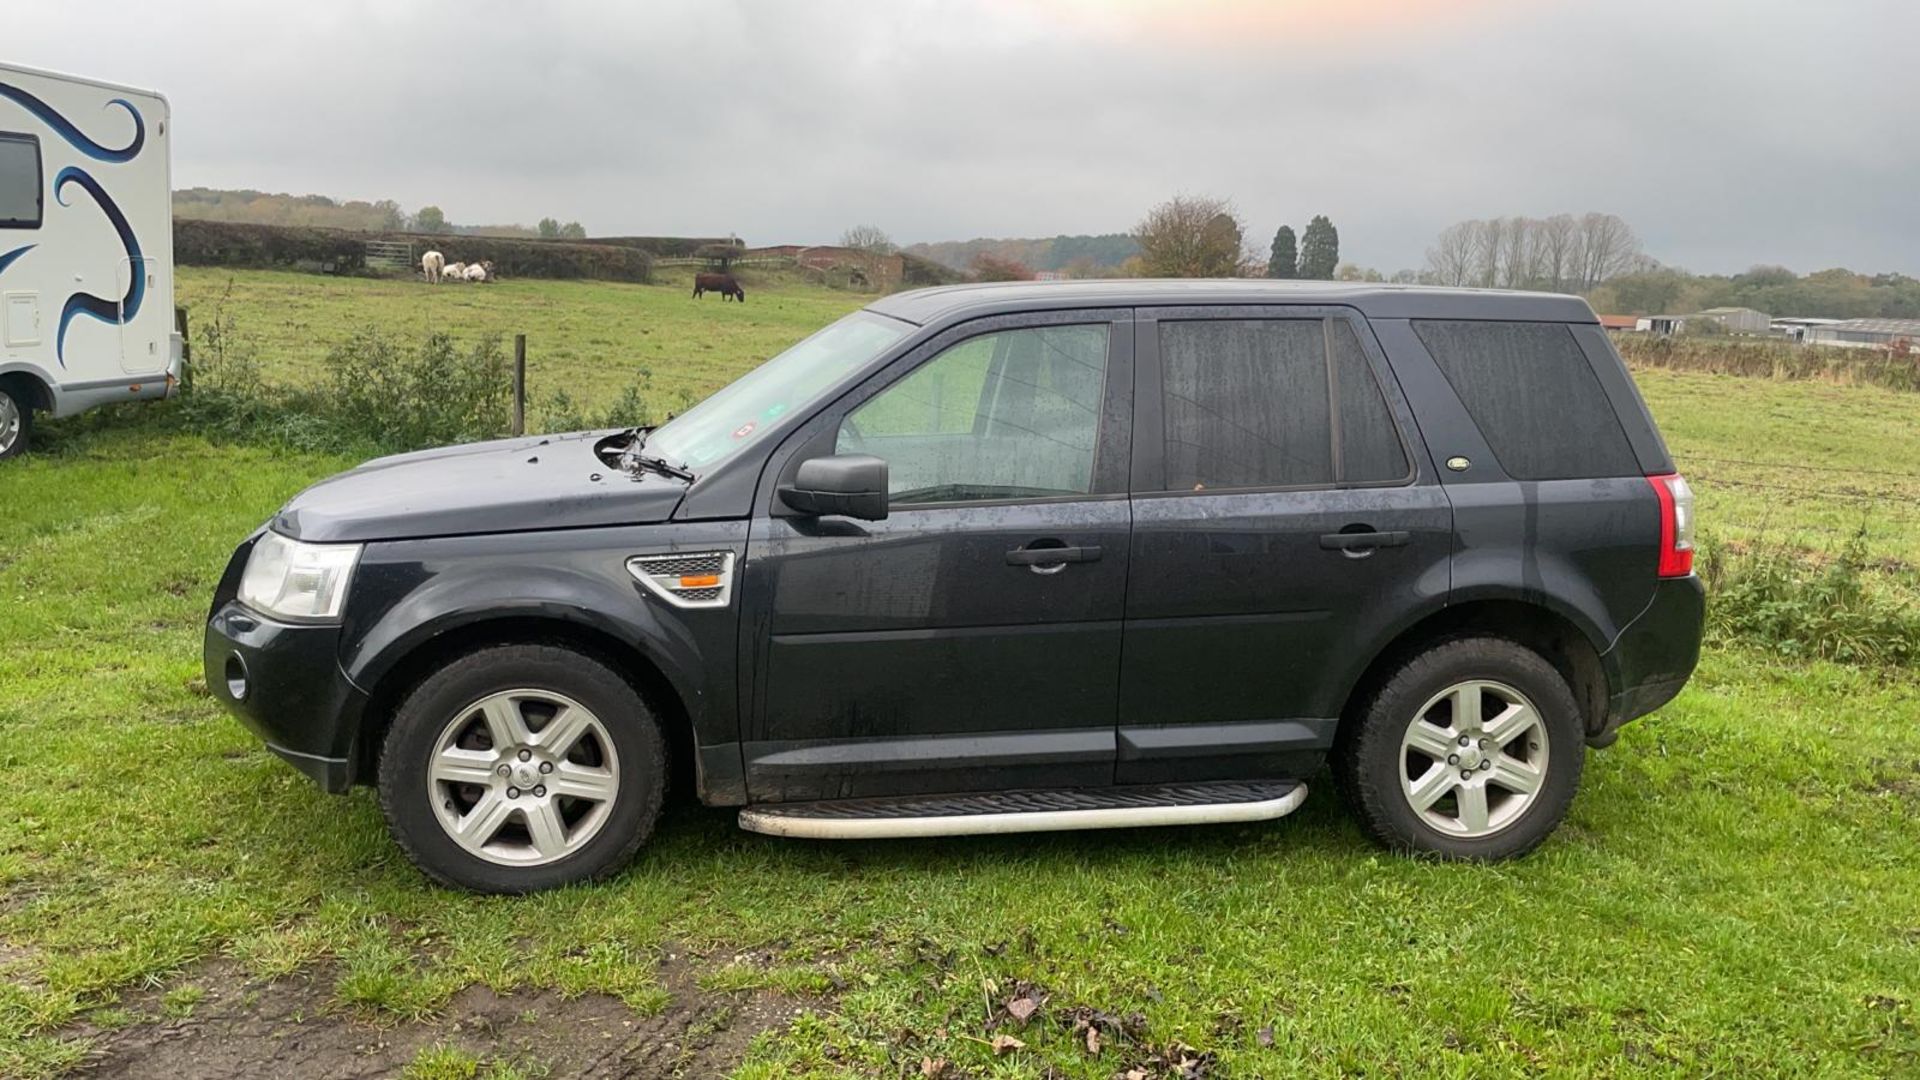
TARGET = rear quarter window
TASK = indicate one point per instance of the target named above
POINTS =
(1531, 391)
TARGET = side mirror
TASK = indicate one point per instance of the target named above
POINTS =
(851, 485)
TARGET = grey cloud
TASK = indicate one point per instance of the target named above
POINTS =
(1727, 133)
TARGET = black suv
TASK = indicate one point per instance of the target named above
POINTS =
(1002, 558)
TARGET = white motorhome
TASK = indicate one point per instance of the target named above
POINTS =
(86, 248)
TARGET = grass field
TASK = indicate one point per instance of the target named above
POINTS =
(1736, 892)
(589, 339)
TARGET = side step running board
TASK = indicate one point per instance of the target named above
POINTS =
(1028, 811)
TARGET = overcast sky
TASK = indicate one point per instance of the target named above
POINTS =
(1727, 133)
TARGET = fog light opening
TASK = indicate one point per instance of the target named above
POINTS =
(237, 677)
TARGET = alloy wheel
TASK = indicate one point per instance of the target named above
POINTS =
(1474, 758)
(523, 777)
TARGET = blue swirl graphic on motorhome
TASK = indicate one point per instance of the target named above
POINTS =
(107, 311)
(66, 129)
(6, 260)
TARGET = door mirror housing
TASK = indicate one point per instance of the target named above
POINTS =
(851, 485)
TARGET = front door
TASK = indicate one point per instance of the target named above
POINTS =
(971, 640)
(1283, 522)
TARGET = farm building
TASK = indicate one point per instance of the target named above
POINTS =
(1660, 324)
(1866, 333)
(1795, 329)
(1736, 320)
(1620, 322)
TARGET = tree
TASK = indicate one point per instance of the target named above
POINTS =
(994, 268)
(1562, 253)
(549, 229)
(1284, 262)
(1319, 250)
(573, 230)
(392, 218)
(1190, 236)
(868, 238)
(430, 220)
(1450, 259)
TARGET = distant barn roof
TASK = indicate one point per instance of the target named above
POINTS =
(1876, 326)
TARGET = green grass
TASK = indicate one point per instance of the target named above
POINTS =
(1737, 890)
(589, 339)
(1800, 462)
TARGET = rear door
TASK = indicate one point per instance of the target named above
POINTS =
(1286, 520)
(970, 641)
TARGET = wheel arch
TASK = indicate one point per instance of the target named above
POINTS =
(34, 390)
(414, 661)
(1557, 638)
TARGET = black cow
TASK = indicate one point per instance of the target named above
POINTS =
(720, 283)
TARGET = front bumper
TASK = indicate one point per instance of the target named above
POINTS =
(285, 684)
(1655, 655)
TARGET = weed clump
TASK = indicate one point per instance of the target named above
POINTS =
(1825, 607)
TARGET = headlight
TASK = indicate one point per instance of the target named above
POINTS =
(298, 582)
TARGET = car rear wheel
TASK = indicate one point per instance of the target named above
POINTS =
(1470, 750)
(522, 767)
(16, 423)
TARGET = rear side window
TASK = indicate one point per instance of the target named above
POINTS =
(1255, 403)
(1534, 396)
(20, 199)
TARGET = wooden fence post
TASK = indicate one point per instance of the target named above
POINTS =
(519, 384)
(186, 348)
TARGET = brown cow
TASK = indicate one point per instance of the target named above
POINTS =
(720, 283)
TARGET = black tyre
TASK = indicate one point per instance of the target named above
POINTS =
(16, 422)
(522, 767)
(1470, 750)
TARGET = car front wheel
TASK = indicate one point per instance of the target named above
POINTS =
(522, 767)
(1471, 750)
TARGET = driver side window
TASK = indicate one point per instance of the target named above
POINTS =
(1009, 415)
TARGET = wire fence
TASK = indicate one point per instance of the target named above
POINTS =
(1781, 497)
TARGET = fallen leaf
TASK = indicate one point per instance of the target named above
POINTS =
(1093, 1040)
(1264, 1036)
(1022, 1008)
(1006, 1044)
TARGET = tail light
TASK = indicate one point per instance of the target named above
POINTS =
(1676, 524)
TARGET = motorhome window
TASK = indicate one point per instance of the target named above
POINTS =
(20, 192)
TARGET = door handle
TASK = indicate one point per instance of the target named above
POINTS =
(1038, 557)
(1363, 541)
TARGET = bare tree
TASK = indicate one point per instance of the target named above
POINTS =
(1606, 247)
(1193, 236)
(1450, 259)
(1561, 252)
(1557, 242)
(869, 238)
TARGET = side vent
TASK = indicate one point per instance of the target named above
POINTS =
(702, 579)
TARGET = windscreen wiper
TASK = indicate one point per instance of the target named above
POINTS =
(661, 466)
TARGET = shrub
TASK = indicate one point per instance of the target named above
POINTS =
(409, 398)
(1825, 607)
(376, 395)
(338, 251)
(1771, 360)
(559, 412)
(995, 268)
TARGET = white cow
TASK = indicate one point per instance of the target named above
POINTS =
(433, 264)
(454, 272)
(476, 272)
